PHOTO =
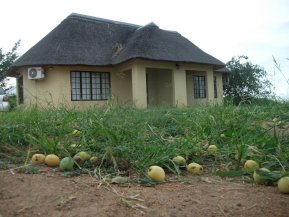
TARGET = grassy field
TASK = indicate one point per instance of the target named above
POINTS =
(153, 136)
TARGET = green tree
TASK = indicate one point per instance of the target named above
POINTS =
(246, 81)
(6, 60)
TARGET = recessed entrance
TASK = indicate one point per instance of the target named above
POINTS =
(159, 87)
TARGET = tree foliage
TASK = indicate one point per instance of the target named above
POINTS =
(246, 81)
(6, 60)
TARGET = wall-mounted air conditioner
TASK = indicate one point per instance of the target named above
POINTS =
(36, 73)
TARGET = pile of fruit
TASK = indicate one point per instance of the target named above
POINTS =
(261, 176)
(66, 163)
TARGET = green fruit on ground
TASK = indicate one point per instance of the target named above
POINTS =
(251, 164)
(83, 155)
(283, 185)
(66, 164)
(260, 180)
(38, 159)
(195, 168)
(179, 160)
(52, 160)
(212, 148)
(76, 133)
(156, 173)
(223, 135)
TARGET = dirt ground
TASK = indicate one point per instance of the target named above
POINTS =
(49, 193)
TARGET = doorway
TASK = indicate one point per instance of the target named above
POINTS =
(159, 87)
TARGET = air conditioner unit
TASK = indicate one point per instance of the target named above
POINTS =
(36, 73)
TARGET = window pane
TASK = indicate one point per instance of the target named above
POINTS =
(215, 87)
(199, 83)
(90, 85)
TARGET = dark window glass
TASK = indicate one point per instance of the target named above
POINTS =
(87, 86)
(199, 86)
(215, 87)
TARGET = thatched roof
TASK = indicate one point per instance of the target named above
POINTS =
(91, 41)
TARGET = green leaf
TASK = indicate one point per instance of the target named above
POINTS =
(272, 176)
(231, 173)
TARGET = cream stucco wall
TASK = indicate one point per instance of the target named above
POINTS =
(55, 89)
(121, 84)
(219, 100)
(179, 87)
(168, 84)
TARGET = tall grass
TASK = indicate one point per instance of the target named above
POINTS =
(155, 135)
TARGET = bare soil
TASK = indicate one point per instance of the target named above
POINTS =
(49, 193)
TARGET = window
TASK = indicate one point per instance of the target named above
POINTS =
(215, 87)
(199, 86)
(88, 86)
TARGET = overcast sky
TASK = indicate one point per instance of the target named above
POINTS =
(222, 28)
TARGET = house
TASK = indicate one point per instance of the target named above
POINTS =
(86, 61)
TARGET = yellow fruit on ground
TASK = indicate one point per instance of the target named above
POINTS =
(76, 133)
(260, 180)
(283, 185)
(83, 155)
(156, 173)
(179, 160)
(52, 160)
(195, 168)
(93, 159)
(212, 148)
(251, 164)
(66, 164)
(38, 159)
(73, 145)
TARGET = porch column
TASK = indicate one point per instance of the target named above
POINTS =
(139, 87)
(210, 85)
(179, 88)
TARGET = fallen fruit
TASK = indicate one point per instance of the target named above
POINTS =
(283, 185)
(212, 148)
(195, 168)
(83, 155)
(259, 179)
(52, 160)
(66, 164)
(76, 133)
(223, 135)
(179, 161)
(38, 159)
(156, 173)
(93, 159)
(73, 145)
(251, 164)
